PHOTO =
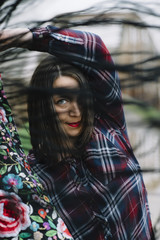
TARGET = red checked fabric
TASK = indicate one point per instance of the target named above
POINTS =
(103, 195)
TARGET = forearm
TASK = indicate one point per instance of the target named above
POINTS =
(19, 37)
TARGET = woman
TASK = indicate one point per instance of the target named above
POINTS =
(59, 112)
(96, 187)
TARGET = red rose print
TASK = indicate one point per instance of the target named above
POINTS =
(3, 115)
(62, 230)
(14, 215)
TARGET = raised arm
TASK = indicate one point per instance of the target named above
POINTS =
(84, 49)
(87, 51)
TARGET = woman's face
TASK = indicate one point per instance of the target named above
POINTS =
(67, 106)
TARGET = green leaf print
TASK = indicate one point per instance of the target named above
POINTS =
(19, 167)
(49, 218)
(51, 233)
(37, 219)
(10, 119)
(52, 225)
(6, 107)
(3, 170)
(17, 171)
(3, 152)
(24, 235)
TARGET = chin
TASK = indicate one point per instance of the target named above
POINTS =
(74, 135)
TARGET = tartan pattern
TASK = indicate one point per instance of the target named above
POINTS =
(103, 195)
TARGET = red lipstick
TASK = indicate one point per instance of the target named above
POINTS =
(76, 124)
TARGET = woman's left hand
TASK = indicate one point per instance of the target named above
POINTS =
(18, 37)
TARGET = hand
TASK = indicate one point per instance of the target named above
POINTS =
(18, 37)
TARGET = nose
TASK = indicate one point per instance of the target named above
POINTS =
(75, 109)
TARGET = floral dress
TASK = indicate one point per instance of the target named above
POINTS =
(25, 208)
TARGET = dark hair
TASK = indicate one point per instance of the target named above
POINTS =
(47, 137)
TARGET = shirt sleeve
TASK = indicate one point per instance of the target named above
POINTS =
(87, 51)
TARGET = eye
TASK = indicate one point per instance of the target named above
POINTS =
(62, 101)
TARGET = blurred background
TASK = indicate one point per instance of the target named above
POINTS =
(131, 32)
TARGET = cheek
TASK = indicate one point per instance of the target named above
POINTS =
(59, 112)
(61, 115)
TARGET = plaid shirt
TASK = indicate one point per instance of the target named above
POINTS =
(103, 195)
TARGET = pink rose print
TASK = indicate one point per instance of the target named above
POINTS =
(14, 215)
(3, 115)
(62, 230)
